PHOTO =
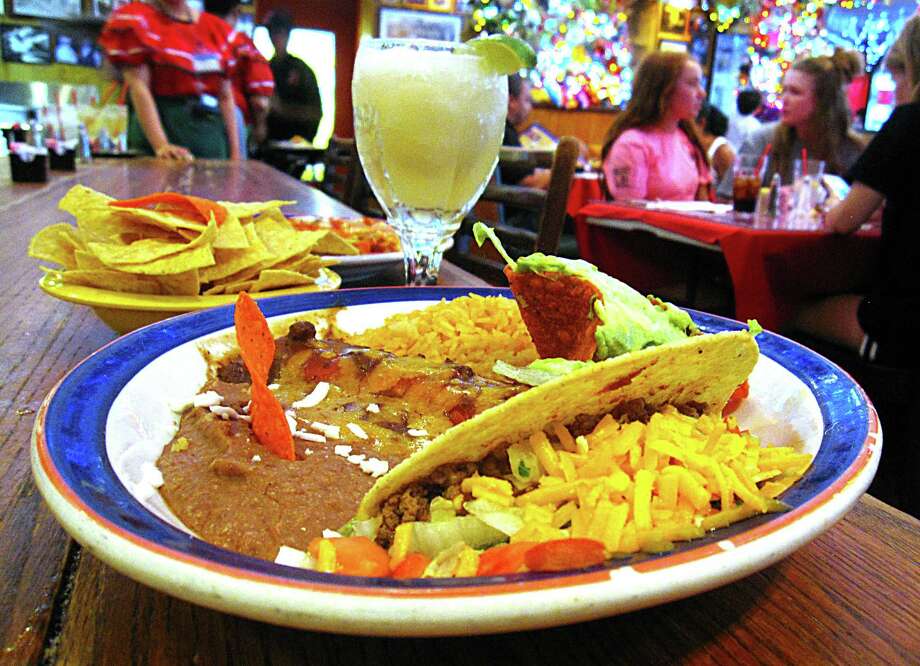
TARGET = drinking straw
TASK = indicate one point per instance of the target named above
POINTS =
(122, 94)
(57, 108)
(763, 156)
(108, 92)
(804, 162)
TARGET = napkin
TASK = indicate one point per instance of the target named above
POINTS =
(690, 207)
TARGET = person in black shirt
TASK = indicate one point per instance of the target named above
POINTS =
(296, 107)
(519, 107)
(884, 325)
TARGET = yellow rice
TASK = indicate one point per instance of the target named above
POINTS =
(471, 330)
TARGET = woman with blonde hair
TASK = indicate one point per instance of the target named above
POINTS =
(885, 325)
(815, 117)
(653, 149)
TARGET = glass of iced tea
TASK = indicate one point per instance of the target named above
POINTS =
(746, 183)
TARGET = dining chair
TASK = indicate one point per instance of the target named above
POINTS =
(344, 178)
(549, 206)
(338, 167)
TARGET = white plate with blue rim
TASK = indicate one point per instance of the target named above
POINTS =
(76, 455)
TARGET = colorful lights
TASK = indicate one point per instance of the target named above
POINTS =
(582, 56)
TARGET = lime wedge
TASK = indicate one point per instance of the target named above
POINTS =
(502, 53)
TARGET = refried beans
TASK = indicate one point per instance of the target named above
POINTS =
(234, 493)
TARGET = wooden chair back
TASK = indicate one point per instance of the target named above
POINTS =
(549, 204)
(344, 177)
(339, 161)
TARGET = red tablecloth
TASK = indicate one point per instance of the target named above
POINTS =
(585, 188)
(772, 270)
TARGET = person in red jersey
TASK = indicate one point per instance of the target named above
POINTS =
(250, 75)
(175, 62)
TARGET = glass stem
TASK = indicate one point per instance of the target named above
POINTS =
(422, 234)
(422, 261)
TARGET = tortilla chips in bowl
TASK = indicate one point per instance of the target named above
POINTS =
(141, 260)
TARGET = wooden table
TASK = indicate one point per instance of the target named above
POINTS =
(848, 597)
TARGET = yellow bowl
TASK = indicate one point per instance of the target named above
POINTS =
(123, 312)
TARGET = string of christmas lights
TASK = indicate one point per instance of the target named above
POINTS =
(584, 61)
(583, 58)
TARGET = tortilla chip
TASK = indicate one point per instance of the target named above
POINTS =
(701, 369)
(244, 210)
(559, 312)
(99, 221)
(231, 235)
(178, 254)
(57, 244)
(155, 218)
(137, 252)
(196, 254)
(188, 234)
(230, 261)
(307, 264)
(180, 284)
(269, 279)
(332, 243)
(257, 348)
(254, 337)
(283, 241)
(104, 278)
(87, 260)
(269, 423)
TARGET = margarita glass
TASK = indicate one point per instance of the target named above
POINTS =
(429, 120)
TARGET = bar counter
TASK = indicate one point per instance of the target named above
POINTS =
(848, 597)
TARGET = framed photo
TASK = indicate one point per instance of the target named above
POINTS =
(672, 45)
(56, 9)
(674, 22)
(441, 5)
(76, 50)
(27, 44)
(102, 8)
(402, 23)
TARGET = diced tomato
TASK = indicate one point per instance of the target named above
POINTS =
(735, 400)
(412, 565)
(564, 554)
(506, 559)
(364, 246)
(320, 368)
(462, 411)
(359, 556)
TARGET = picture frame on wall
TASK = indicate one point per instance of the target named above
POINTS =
(27, 44)
(441, 5)
(102, 8)
(74, 49)
(672, 45)
(54, 9)
(404, 23)
(673, 22)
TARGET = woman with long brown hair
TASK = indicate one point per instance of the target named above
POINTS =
(815, 117)
(885, 324)
(653, 149)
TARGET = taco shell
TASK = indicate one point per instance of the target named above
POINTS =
(702, 370)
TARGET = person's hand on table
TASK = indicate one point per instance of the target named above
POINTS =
(538, 179)
(173, 152)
